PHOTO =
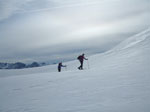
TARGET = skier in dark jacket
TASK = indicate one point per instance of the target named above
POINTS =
(81, 58)
(60, 65)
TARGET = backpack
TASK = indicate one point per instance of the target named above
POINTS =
(79, 57)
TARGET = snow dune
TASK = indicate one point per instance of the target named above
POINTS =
(117, 81)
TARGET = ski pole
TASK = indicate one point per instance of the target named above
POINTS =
(88, 64)
(66, 68)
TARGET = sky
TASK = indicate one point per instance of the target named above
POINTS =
(52, 30)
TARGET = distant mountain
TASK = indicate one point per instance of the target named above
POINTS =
(20, 65)
(17, 65)
(34, 64)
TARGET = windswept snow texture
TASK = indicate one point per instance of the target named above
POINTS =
(117, 81)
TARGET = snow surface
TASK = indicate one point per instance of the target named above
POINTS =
(117, 81)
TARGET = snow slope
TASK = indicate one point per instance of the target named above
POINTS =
(117, 81)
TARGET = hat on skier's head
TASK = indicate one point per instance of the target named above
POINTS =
(83, 54)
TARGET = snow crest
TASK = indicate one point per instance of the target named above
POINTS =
(132, 41)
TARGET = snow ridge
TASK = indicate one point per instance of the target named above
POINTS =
(132, 41)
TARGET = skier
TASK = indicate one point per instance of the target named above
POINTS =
(81, 58)
(60, 65)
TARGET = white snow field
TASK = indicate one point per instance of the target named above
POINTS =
(117, 81)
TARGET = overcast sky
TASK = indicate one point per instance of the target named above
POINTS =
(45, 30)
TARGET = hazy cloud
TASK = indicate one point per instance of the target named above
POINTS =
(43, 29)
